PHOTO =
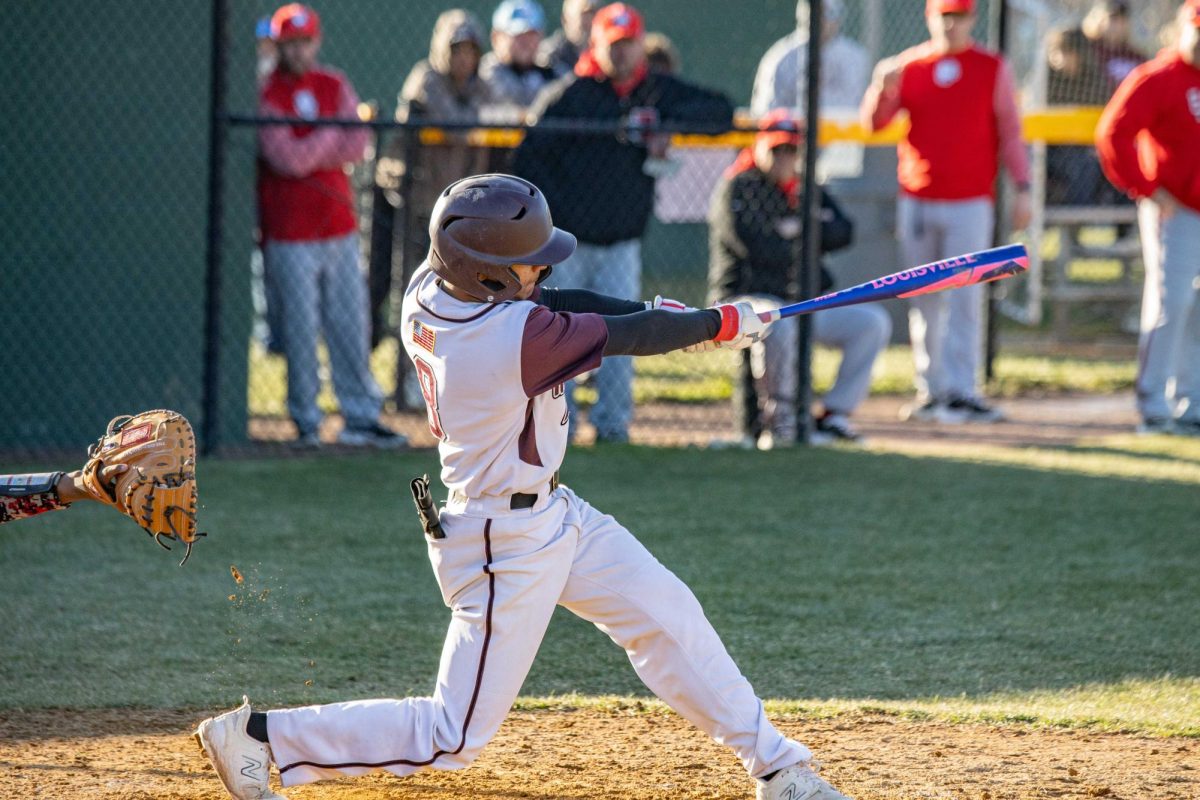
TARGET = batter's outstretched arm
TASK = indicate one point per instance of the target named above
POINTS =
(582, 301)
(651, 333)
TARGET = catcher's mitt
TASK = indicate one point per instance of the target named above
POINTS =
(158, 488)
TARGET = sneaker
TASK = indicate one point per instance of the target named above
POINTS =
(927, 411)
(834, 428)
(306, 441)
(1155, 425)
(974, 409)
(373, 435)
(242, 762)
(1187, 427)
(736, 443)
(612, 437)
(775, 441)
(797, 782)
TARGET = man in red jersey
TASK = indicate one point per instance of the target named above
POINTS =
(310, 234)
(964, 122)
(1149, 144)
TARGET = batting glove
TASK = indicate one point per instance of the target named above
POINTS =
(740, 327)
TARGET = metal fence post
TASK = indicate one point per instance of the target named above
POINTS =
(809, 242)
(211, 426)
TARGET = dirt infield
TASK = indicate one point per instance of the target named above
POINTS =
(141, 755)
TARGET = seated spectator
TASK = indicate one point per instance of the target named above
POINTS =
(445, 87)
(511, 71)
(1108, 28)
(754, 224)
(560, 51)
(845, 66)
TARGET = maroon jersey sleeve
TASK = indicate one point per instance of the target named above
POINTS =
(558, 346)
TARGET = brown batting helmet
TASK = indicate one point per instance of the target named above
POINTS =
(485, 224)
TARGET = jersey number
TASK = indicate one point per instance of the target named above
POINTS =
(429, 392)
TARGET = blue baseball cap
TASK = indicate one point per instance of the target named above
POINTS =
(515, 17)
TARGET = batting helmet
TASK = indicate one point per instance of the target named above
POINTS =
(485, 224)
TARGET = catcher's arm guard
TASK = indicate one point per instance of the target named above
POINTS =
(158, 490)
(24, 496)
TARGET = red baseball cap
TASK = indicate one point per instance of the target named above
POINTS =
(615, 22)
(295, 21)
(1192, 12)
(949, 7)
(788, 129)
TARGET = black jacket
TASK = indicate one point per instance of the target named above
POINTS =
(595, 184)
(746, 254)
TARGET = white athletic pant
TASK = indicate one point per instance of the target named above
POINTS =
(946, 328)
(502, 573)
(860, 332)
(320, 289)
(1168, 382)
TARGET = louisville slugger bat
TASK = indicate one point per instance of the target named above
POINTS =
(981, 267)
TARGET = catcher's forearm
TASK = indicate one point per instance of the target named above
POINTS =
(27, 495)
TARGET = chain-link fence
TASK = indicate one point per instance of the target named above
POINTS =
(237, 294)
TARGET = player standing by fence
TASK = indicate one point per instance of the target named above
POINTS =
(1149, 144)
(964, 120)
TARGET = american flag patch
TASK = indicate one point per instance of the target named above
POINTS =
(423, 336)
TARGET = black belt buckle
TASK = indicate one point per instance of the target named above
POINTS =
(426, 510)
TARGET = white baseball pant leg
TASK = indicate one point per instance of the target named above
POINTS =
(946, 328)
(1168, 382)
(502, 577)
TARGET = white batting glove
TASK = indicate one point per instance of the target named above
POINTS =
(666, 304)
(740, 326)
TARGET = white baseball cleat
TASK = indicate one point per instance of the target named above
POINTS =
(242, 762)
(797, 782)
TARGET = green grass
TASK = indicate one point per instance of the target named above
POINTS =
(1049, 586)
(708, 377)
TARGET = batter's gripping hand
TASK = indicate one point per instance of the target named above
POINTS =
(158, 488)
(740, 327)
(666, 304)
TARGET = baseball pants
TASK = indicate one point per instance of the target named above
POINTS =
(946, 328)
(614, 270)
(502, 573)
(860, 332)
(321, 289)
(1168, 382)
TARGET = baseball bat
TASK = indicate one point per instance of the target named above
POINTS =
(980, 267)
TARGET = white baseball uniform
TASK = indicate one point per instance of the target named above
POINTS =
(492, 379)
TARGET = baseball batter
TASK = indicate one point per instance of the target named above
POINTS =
(1149, 145)
(493, 350)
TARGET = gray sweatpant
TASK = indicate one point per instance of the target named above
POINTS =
(614, 270)
(946, 328)
(321, 289)
(860, 332)
(1168, 382)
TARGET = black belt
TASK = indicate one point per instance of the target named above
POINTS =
(522, 500)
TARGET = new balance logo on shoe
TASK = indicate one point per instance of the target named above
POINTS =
(251, 770)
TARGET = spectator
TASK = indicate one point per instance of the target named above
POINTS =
(598, 185)
(443, 88)
(1073, 175)
(310, 242)
(1107, 27)
(265, 289)
(1147, 139)
(266, 55)
(754, 223)
(780, 81)
(560, 51)
(964, 120)
(661, 55)
(511, 70)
